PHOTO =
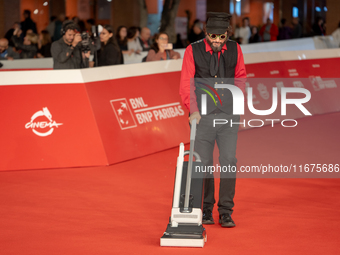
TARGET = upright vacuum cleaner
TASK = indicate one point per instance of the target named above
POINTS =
(185, 224)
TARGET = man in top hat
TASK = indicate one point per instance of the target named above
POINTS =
(210, 61)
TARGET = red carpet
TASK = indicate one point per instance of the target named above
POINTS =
(124, 208)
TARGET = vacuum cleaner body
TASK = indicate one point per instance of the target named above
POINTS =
(185, 224)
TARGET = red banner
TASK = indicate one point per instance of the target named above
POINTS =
(316, 75)
(95, 123)
(48, 126)
(74, 122)
(137, 116)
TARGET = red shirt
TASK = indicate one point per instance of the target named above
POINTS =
(274, 32)
(188, 73)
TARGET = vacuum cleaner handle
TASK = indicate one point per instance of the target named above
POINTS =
(189, 171)
(193, 130)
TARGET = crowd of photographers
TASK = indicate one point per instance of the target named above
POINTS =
(77, 44)
(80, 44)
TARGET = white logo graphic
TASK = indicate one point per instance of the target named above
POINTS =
(42, 124)
(123, 113)
(142, 112)
(263, 91)
(274, 72)
(298, 84)
(319, 84)
(254, 96)
(293, 72)
(279, 85)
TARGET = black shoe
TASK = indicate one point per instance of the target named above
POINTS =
(226, 221)
(207, 217)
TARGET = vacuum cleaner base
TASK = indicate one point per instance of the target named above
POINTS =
(184, 236)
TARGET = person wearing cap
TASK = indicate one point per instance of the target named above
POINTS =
(210, 61)
(66, 52)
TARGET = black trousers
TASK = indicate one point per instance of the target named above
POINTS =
(225, 136)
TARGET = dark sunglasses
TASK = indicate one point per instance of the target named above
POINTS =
(215, 36)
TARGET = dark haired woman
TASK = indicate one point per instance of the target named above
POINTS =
(254, 38)
(160, 51)
(121, 37)
(133, 43)
(109, 53)
(44, 45)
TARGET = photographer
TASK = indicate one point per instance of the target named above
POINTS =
(67, 52)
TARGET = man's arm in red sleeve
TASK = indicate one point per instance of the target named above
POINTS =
(187, 85)
(240, 71)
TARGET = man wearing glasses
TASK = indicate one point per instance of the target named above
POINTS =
(214, 60)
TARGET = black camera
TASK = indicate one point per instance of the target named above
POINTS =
(85, 42)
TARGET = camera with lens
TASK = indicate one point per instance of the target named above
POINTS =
(85, 42)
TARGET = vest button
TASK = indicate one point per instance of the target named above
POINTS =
(215, 82)
(215, 76)
(222, 94)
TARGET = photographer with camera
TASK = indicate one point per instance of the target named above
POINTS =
(69, 52)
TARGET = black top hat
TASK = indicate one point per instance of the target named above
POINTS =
(217, 22)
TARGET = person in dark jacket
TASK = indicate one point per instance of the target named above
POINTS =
(44, 45)
(196, 32)
(144, 38)
(110, 53)
(28, 47)
(254, 38)
(319, 27)
(10, 32)
(285, 32)
(296, 28)
(214, 60)
(66, 52)
(58, 26)
(6, 51)
(28, 23)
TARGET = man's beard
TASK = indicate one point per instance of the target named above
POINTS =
(69, 42)
(214, 48)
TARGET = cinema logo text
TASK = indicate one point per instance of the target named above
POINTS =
(42, 125)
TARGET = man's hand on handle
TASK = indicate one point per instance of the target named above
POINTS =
(195, 115)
